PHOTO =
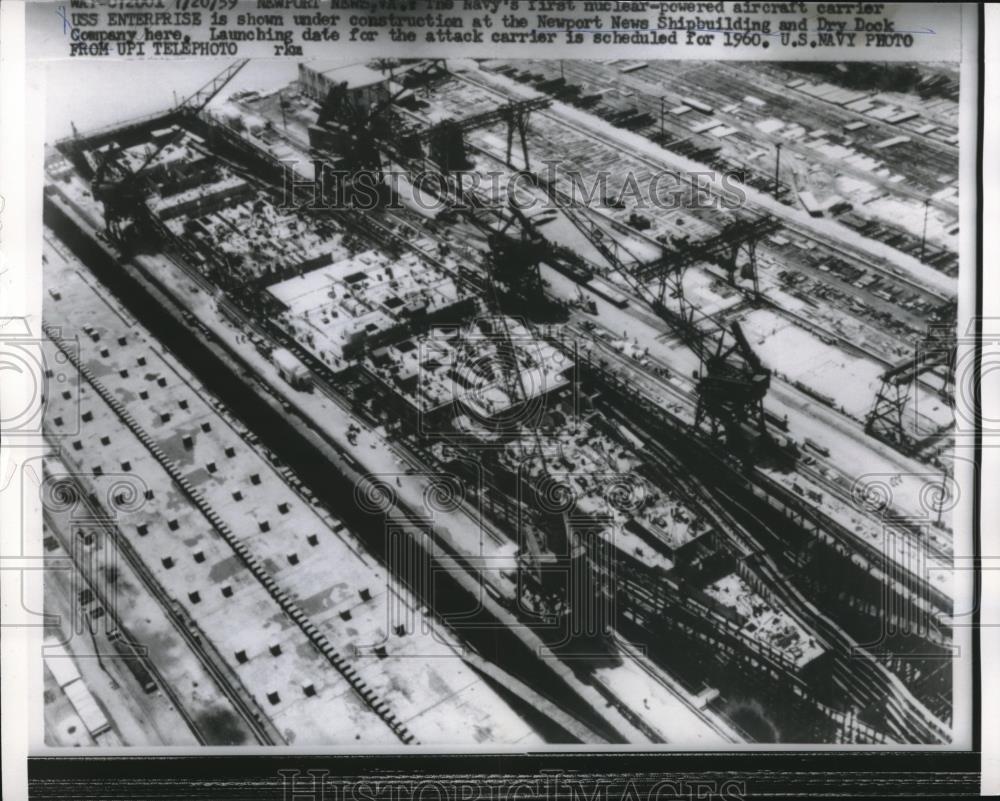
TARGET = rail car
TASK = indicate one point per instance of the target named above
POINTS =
(617, 299)
(775, 420)
(815, 447)
(87, 708)
(579, 273)
(64, 670)
(133, 661)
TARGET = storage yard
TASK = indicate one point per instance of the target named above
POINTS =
(517, 455)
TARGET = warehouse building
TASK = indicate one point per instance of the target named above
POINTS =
(363, 86)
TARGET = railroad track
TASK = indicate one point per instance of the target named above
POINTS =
(850, 346)
(247, 711)
(867, 680)
(659, 167)
(876, 557)
(836, 486)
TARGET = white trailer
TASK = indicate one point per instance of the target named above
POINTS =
(291, 368)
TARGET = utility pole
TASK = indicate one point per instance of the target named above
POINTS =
(923, 236)
(663, 114)
(777, 168)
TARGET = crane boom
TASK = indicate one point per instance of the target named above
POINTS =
(514, 380)
(730, 393)
(197, 101)
(748, 353)
(681, 321)
(193, 104)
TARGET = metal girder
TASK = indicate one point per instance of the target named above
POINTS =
(503, 113)
(515, 114)
(198, 100)
(724, 248)
(886, 420)
(733, 381)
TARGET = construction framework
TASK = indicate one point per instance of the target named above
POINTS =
(893, 418)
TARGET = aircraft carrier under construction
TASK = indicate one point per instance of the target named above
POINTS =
(394, 411)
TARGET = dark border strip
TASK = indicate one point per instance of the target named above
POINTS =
(518, 777)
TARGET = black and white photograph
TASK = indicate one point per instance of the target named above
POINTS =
(421, 401)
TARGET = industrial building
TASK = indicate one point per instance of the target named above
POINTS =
(345, 308)
(449, 377)
(364, 86)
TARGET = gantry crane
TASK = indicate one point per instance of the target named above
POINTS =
(517, 257)
(935, 355)
(739, 236)
(354, 138)
(349, 137)
(119, 187)
(447, 138)
(732, 381)
(731, 390)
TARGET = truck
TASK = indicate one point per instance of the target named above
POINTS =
(291, 368)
